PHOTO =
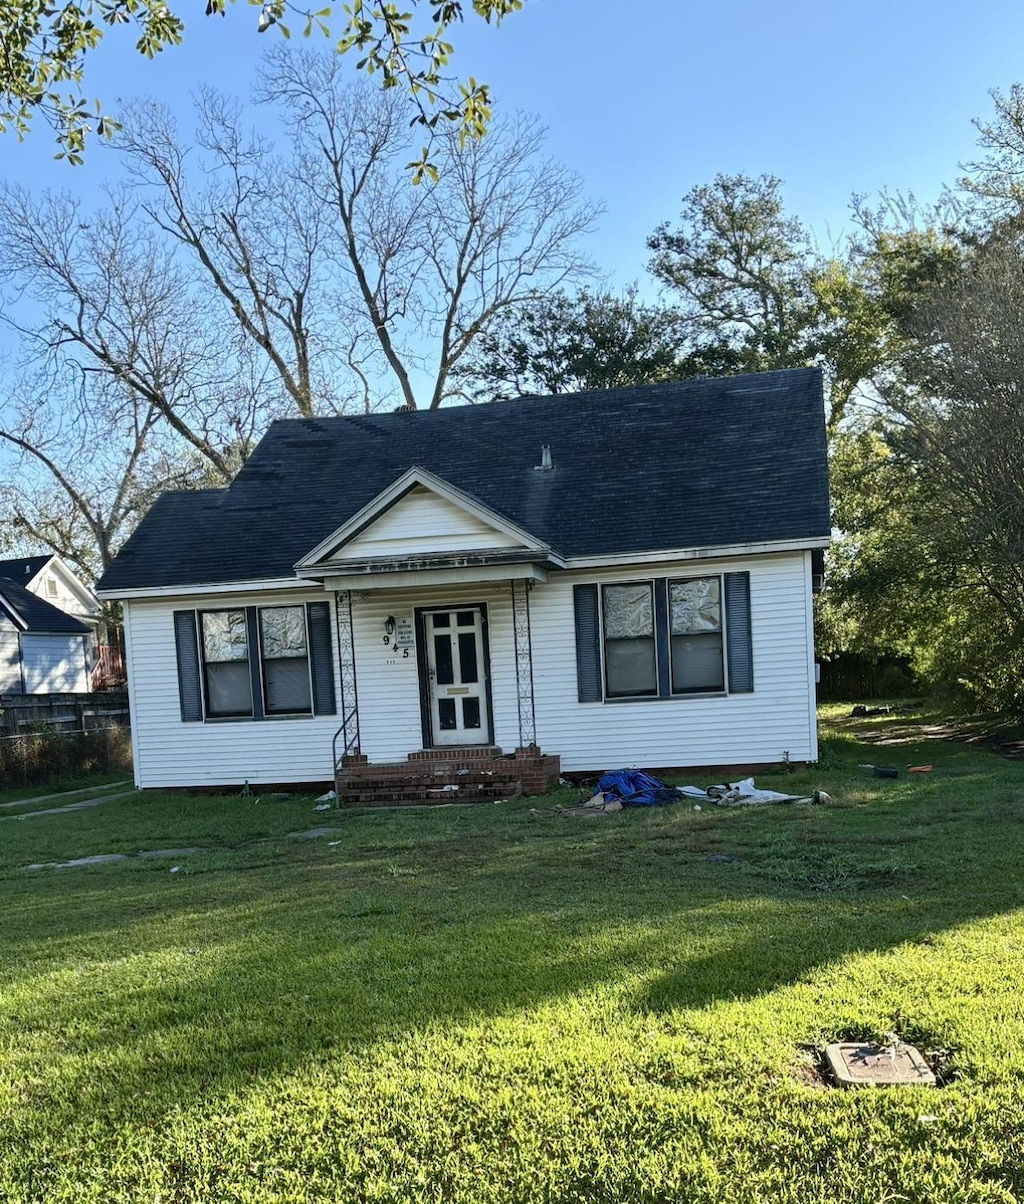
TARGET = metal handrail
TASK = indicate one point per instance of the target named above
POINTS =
(350, 742)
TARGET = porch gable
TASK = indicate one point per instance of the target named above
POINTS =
(421, 517)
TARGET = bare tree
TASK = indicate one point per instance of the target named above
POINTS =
(106, 295)
(423, 272)
(87, 457)
(964, 415)
(228, 282)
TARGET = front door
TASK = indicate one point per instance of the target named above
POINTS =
(456, 686)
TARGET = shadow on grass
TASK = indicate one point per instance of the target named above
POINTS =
(135, 994)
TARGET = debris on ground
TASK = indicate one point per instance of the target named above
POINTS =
(322, 807)
(634, 788)
(746, 794)
(882, 771)
(600, 804)
(329, 797)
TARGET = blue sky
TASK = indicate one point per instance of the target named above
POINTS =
(644, 101)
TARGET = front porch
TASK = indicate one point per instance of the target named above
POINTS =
(448, 775)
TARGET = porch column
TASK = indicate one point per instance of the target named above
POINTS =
(347, 666)
(524, 663)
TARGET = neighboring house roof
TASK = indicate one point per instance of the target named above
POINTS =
(699, 463)
(33, 614)
(24, 569)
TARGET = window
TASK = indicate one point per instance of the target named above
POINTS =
(228, 683)
(51, 587)
(255, 662)
(695, 622)
(630, 659)
(285, 660)
(664, 638)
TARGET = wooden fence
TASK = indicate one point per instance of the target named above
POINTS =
(21, 713)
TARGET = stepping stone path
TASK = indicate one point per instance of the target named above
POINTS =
(106, 858)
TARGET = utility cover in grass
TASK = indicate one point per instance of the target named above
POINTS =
(868, 1065)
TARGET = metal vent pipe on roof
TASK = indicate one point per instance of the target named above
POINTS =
(545, 457)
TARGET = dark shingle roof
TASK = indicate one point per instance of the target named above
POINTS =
(24, 568)
(697, 463)
(36, 613)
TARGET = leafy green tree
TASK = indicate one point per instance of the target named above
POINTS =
(567, 344)
(46, 47)
(754, 293)
(929, 485)
(741, 270)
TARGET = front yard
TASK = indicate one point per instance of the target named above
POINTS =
(477, 1005)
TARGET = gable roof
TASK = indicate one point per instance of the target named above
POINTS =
(698, 463)
(505, 533)
(33, 614)
(24, 569)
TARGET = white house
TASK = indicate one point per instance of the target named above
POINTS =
(598, 580)
(43, 650)
(49, 578)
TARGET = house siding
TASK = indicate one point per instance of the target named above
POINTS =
(10, 657)
(51, 586)
(169, 752)
(776, 720)
(421, 523)
(763, 726)
(54, 664)
(389, 700)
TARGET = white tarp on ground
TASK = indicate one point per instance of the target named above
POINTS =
(746, 794)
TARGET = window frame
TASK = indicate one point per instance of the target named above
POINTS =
(278, 714)
(228, 716)
(722, 633)
(257, 674)
(661, 604)
(633, 694)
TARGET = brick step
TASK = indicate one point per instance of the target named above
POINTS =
(417, 789)
(427, 769)
(472, 752)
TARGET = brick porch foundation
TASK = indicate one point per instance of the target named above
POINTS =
(446, 775)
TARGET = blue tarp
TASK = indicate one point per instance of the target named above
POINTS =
(636, 789)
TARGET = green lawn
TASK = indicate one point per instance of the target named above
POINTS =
(474, 1004)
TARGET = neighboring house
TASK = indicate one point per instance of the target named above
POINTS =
(611, 578)
(43, 650)
(48, 577)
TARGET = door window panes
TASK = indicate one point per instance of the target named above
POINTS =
(443, 661)
(467, 656)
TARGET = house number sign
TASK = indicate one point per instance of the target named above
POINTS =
(398, 638)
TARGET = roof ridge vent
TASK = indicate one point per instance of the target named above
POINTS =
(545, 459)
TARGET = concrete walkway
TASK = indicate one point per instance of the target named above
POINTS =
(79, 806)
(97, 794)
